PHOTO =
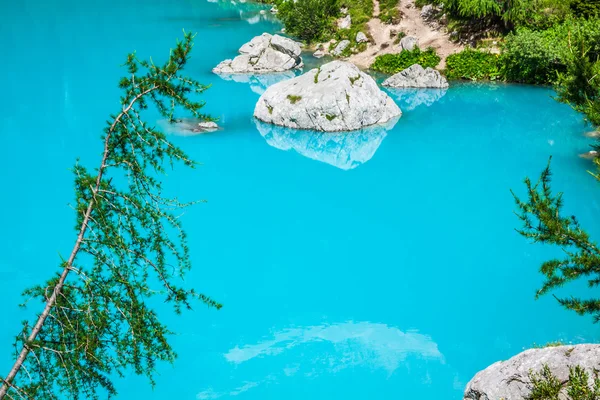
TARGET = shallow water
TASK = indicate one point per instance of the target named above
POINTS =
(382, 264)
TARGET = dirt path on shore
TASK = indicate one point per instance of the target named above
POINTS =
(412, 25)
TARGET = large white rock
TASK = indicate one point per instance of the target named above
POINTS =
(335, 97)
(416, 76)
(510, 379)
(263, 54)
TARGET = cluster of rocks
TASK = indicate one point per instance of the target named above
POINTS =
(263, 54)
(334, 97)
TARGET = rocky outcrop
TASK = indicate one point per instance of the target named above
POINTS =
(335, 97)
(409, 43)
(510, 379)
(416, 76)
(341, 150)
(263, 54)
(341, 46)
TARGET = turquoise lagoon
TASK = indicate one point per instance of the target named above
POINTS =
(378, 265)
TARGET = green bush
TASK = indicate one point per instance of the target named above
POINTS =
(532, 57)
(586, 8)
(473, 65)
(393, 63)
(308, 20)
(546, 386)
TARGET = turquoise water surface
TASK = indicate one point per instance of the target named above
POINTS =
(378, 265)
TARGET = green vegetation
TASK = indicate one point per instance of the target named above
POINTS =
(546, 386)
(330, 117)
(393, 63)
(544, 222)
(473, 65)
(354, 79)
(97, 322)
(309, 20)
(293, 98)
(389, 12)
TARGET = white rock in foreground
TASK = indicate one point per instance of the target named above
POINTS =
(335, 97)
(263, 54)
(510, 379)
(416, 76)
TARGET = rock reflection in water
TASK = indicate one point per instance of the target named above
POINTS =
(259, 82)
(344, 150)
(410, 98)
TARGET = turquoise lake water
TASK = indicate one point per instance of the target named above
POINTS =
(377, 265)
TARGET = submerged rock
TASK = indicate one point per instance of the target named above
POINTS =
(339, 49)
(510, 379)
(416, 76)
(590, 155)
(409, 43)
(342, 150)
(188, 126)
(263, 54)
(335, 97)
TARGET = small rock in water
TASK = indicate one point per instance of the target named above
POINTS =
(274, 10)
(208, 125)
(361, 38)
(590, 155)
(345, 23)
(340, 47)
(319, 54)
(263, 54)
(416, 76)
(409, 43)
(263, 12)
(511, 379)
(593, 134)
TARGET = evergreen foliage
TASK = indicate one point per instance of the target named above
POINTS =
(473, 65)
(131, 251)
(308, 20)
(544, 222)
(393, 63)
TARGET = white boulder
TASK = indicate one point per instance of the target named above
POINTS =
(341, 46)
(511, 379)
(416, 76)
(335, 97)
(361, 37)
(263, 54)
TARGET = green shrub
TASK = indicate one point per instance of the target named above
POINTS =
(473, 65)
(308, 20)
(586, 8)
(532, 57)
(546, 386)
(393, 63)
